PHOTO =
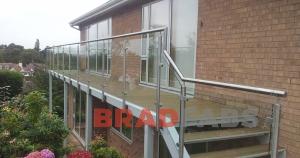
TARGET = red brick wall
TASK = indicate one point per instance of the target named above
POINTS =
(254, 42)
(97, 103)
(128, 150)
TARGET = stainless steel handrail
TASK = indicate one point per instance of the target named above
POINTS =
(223, 84)
(115, 37)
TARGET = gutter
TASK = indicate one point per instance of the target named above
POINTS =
(105, 8)
(75, 27)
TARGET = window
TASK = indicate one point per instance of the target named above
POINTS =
(182, 25)
(155, 15)
(123, 131)
(79, 101)
(100, 52)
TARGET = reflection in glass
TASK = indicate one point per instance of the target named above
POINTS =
(183, 42)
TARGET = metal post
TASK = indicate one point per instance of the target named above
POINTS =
(158, 68)
(65, 107)
(124, 73)
(69, 59)
(275, 129)
(78, 62)
(182, 120)
(88, 128)
(50, 92)
(65, 103)
(148, 142)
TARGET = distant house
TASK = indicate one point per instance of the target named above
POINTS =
(28, 70)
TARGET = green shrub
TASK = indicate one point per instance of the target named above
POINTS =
(26, 125)
(99, 149)
(34, 104)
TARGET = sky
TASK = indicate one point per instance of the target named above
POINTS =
(24, 21)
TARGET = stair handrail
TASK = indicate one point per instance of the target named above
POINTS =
(272, 92)
(266, 91)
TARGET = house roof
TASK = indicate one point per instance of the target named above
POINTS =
(107, 7)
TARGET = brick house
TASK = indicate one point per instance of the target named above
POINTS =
(246, 53)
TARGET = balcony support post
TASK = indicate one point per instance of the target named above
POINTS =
(182, 120)
(89, 110)
(158, 88)
(275, 130)
(148, 142)
(50, 92)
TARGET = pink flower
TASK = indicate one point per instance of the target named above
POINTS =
(35, 154)
(46, 153)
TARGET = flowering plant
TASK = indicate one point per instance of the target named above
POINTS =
(45, 153)
(35, 154)
(80, 154)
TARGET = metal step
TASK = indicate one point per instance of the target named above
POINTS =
(245, 152)
(225, 134)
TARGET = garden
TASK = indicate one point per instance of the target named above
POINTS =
(27, 129)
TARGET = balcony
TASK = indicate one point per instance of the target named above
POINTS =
(136, 71)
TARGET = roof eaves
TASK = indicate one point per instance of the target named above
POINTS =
(106, 7)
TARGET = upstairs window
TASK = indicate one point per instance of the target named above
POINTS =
(99, 52)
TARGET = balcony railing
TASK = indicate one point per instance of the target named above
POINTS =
(137, 67)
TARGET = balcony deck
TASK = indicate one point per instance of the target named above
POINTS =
(198, 111)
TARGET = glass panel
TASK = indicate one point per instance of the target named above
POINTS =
(105, 52)
(136, 70)
(66, 58)
(144, 71)
(61, 58)
(82, 57)
(114, 83)
(92, 56)
(73, 57)
(100, 56)
(145, 44)
(53, 58)
(152, 56)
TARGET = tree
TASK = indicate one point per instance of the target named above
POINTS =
(37, 45)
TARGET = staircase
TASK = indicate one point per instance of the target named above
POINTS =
(210, 142)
